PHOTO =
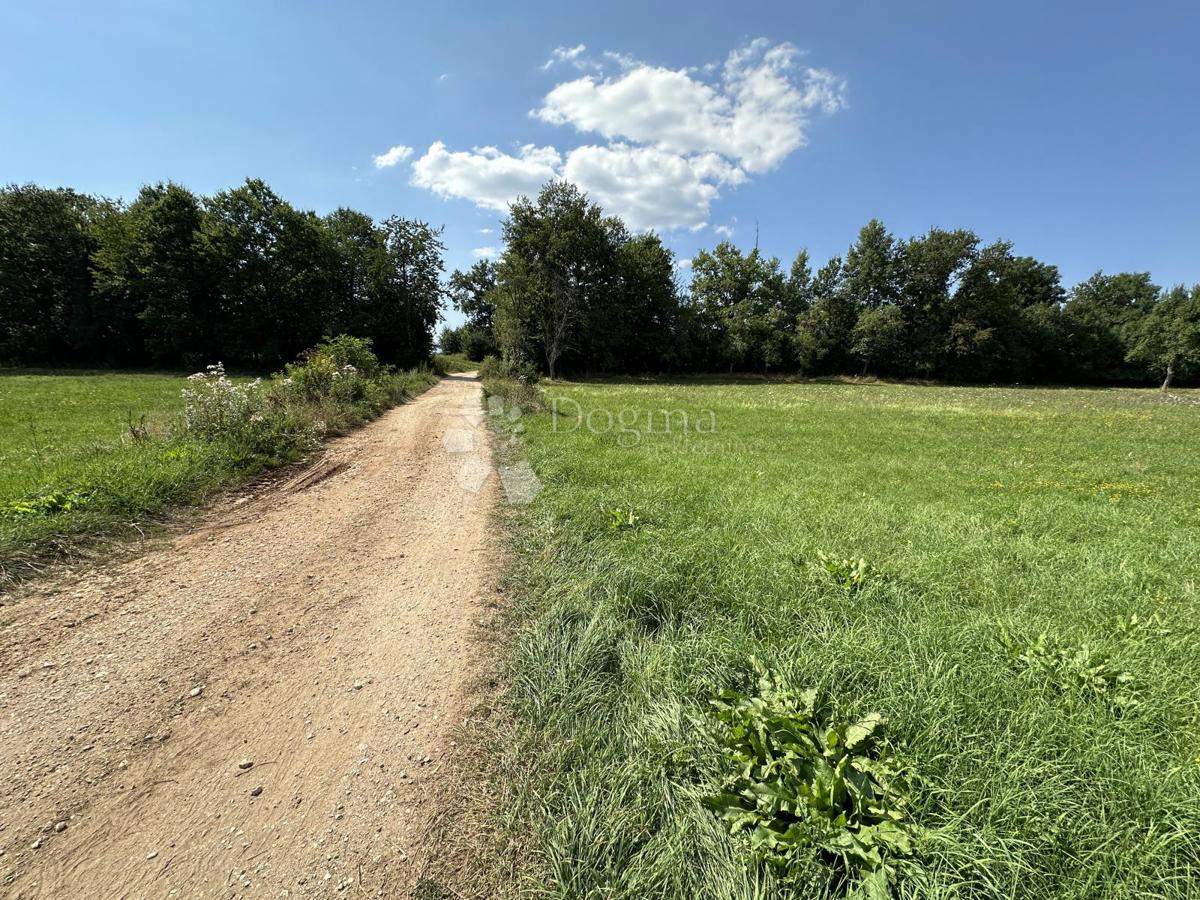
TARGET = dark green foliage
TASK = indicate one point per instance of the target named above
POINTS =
(574, 291)
(46, 243)
(175, 279)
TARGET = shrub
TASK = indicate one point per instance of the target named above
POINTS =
(495, 367)
(215, 407)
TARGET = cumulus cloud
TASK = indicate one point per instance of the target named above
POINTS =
(755, 113)
(673, 139)
(648, 187)
(397, 154)
(485, 252)
(683, 265)
(485, 175)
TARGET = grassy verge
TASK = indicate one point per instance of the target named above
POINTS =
(95, 457)
(451, 363)
(1025, 622)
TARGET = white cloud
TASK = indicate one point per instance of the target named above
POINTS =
(485, 252)
(485, 231)
(755, 114)
(573, 55)
(485, 176)
(725, 231)
(646, 186)
(397, 154)
(674, 139)
(683, 265)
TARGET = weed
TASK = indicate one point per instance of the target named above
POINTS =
(849, 574)
(1077, 669)
(800, 783)
(622, 519)
(47, 502)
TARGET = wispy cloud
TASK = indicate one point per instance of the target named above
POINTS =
(570, 55)
(485, 252)
(397, 154)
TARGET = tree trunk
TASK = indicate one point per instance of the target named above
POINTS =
(1170, 377)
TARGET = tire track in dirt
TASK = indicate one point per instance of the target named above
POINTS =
(321, 631)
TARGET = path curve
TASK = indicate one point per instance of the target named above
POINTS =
(321, 631)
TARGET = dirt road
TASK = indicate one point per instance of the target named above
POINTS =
(263, 707)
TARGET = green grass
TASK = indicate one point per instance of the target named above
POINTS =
(982, 512)
(51, 422)
(454, 362)
(67, 436)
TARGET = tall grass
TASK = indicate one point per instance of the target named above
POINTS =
(90, 458)
(987, 517)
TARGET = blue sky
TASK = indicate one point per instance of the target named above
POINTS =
(1072, 129)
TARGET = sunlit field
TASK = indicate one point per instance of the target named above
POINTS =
(95, 456)
(1026, 622)
(51, 424)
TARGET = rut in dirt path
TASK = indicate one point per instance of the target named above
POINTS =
(321, 633)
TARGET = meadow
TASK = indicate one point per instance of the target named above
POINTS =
(86, 457)
(1007, 577)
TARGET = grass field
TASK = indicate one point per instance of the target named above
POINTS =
(51, 424)
(86, 456)
(653, 567)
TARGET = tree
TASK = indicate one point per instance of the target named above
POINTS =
(152, 266)
(744, 298)
(930, 266)
(410, 300)
(871, 275)
(558, 263)
(1167, 339)
(1099, 317)
(450, 340)
(822, 336)
(276, 272)
(473, 293)
(878, 337)
(46, 244)
(647, 297)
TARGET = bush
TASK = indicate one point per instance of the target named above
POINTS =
(214, 407)
(495, 367)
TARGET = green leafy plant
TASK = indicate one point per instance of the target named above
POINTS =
(1074, 668)
(800, 786)
(47, 502)
(849, 574)
(621, 519)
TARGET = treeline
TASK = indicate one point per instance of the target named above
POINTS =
(174, 278)
(575, 291)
